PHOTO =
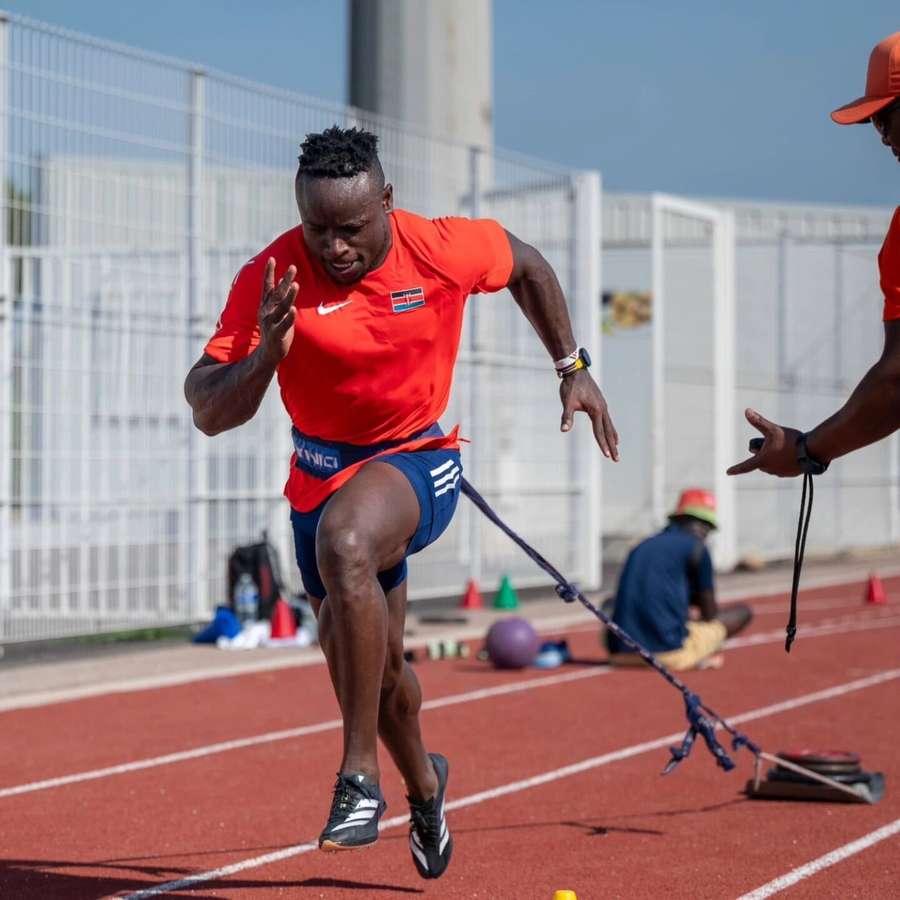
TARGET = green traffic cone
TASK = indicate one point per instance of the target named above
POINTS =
(506, 597)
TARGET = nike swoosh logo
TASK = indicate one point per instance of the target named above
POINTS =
(324, 310)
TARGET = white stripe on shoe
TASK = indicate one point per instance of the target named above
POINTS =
(362, 815)
(351, 822)
(445, 831)
(419, 855)
(364, 811)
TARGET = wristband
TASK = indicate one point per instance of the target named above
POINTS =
(582, 361)
(566, 362)
(808, 464)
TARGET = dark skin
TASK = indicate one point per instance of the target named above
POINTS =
(873, 410)
(736, 616)
(367, 525)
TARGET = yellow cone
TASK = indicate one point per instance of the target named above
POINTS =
(564, 895)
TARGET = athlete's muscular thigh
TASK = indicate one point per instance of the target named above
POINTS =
(369, 522)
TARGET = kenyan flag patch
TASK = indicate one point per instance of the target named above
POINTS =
(404, 301)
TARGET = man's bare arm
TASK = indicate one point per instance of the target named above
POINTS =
(536, 290)
(871, 413)
(225, 395)
(705, 601)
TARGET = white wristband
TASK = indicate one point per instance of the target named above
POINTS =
(567, 361)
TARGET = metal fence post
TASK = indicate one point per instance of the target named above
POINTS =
(6, 344)
(724, 363)
(657, 365)
(473, 410)
(197, 552)
(586, 242)
(838, 370)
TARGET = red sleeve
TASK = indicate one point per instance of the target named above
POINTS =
(237, 331)
(477, 253)
(889, 267)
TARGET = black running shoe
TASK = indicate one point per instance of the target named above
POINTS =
(355, 810)
(429, 839)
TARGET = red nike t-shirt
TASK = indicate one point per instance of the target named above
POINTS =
(889, 268)
(372, 361)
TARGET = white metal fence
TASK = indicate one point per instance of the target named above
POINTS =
(764, 305)
(134, 187)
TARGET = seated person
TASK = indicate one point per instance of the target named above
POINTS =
(664, 576)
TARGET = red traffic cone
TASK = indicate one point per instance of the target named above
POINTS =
(472, 597)
(875, 594)
(284, 625)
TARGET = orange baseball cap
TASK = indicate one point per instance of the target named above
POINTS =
(697, 503)
(882, 84)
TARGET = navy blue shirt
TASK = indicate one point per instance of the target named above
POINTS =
(660, 577)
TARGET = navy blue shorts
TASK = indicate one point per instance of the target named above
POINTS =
(435, 477)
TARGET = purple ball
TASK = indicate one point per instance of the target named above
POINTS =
(512, 643)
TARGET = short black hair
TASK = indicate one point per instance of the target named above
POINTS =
(339, 153)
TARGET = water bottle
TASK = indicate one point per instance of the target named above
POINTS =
(246, 598)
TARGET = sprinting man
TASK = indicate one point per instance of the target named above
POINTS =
(663, 577)
(873, 410)
(358, 311)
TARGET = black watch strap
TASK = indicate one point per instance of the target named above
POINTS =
(809, 465)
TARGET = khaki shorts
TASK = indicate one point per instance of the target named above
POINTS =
(703, 640)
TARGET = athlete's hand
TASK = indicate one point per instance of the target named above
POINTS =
(775, 454)
(580, 392)
(277, 313)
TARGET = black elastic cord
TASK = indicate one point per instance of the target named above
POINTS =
(799, 550)
(702, 720)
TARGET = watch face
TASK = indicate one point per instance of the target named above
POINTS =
(585, 356)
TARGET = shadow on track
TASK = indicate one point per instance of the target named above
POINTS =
(36, 879)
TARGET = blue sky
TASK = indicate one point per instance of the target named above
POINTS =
(705, 98)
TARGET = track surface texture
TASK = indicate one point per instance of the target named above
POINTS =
(218, 788)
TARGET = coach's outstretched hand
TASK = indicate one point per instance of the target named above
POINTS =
(777, 452)
(580, 392)
(277, 313)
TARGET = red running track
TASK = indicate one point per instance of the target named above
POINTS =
(555, 785)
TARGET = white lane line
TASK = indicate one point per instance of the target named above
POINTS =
(770, 609)
(544, 625)
(225, 871)
(823, 862)
(811, 583)
(287, 734)
(548, 625)
(878, 619)
(527, 783)
(152, 682)
(514, 687)
(810, 631)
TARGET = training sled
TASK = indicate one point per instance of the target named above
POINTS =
(833, 776)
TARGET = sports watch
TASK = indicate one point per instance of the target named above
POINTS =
(582, 361)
